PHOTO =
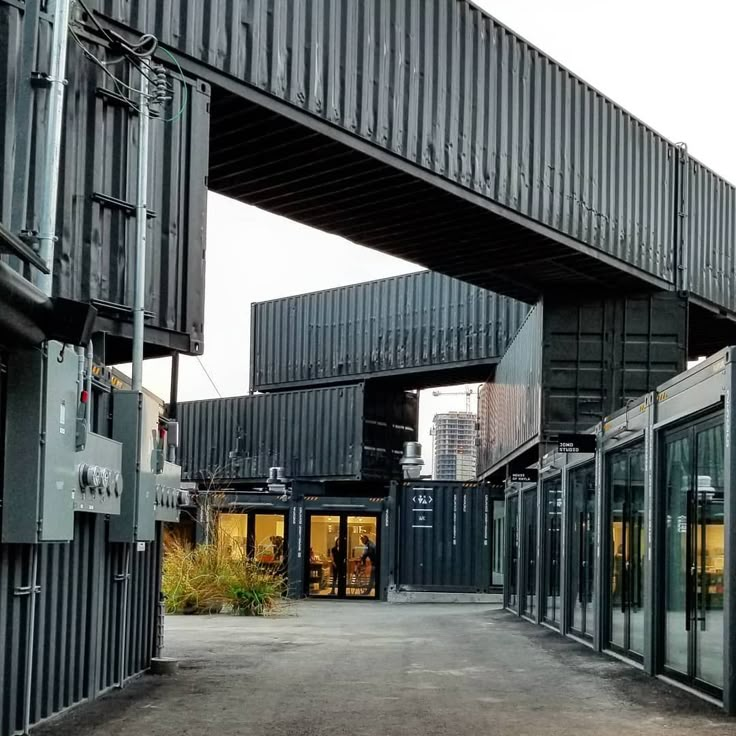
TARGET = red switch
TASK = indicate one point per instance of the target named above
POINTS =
(84, 396)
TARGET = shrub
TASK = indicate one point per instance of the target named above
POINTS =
(209, 578)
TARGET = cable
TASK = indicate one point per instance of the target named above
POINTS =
(138, 55)
(185, 91)
(206, 372)
(101, 64)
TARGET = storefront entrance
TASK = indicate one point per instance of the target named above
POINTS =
(343, 555)
(581, 551)
(626, 550)
(693, 565)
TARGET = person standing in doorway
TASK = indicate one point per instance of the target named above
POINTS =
(337, 554)
(371, 555)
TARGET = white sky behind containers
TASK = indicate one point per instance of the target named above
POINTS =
(667, 62)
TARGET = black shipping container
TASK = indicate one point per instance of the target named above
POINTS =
(443, 537)
(353, 432)
(420, 329)
(94, 257)
(570, 365)
(78, 620)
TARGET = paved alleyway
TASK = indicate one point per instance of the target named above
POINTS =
(359, 669)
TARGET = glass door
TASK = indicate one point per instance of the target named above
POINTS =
(269, 541)
(512, 551)
(626, 549)
(694, 554)
(362, 560)
(529, 539)
(343, 557)
(581, 552)
(552, 490)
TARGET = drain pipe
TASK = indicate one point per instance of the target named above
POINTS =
(139, 301)
(33, 592)
(50, 187)
(124, 617)
(141, 216)
(46, 243)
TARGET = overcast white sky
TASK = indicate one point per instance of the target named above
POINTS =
(670, 63)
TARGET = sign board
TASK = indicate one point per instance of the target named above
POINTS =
(527, 475)
(576, 443)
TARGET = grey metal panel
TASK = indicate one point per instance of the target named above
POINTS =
(336, 432)
(40, 471)
(571, 365)
(444, 86)
(77, 633)
(94, 257)
(404, 325)
(442, 537)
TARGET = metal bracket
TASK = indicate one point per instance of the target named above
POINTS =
(22, 590)
(40, 80)
(121, 204)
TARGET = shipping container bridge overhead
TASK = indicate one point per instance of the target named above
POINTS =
(430, 131)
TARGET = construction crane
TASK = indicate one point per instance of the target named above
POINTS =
(468, 391)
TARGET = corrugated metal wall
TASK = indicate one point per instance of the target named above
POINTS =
(446, 87)
(408, 325)
(709, 235)
(96, 224)
(509, 407)
(571, 365)
(443, 537)
(76, 651)
(349, 432)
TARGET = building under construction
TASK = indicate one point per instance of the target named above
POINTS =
(454, 440)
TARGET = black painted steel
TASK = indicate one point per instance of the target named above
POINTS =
(94, 254)
(421, 329)
(443, 541)
(352, 432)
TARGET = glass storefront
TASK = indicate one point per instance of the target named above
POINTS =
(551, 574)
(693, 535)
(343, 556)
(529, 559)
(626, 547)
(512, 551)
(581, 550)
(232, 534)
(253, 534)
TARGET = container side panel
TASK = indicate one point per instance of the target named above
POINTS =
(441, 537)
(418, 322)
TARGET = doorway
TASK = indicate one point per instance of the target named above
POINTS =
(552, 508)
(581, 551)
(626, 546)
(343, 557)
(529, 557)
(693, 546)
(512, 552)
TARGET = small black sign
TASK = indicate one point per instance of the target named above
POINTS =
(529, 475)
(576, 443)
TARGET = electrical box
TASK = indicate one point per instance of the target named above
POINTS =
(99, 476)
(41, 476)
(169, 495)
(135, 422)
